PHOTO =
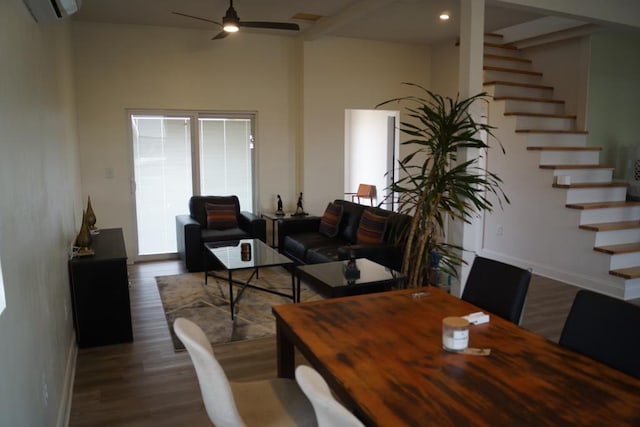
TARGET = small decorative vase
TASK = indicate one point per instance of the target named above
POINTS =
(83, 240)
(91, 216)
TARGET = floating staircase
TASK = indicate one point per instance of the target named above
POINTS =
(526, 103)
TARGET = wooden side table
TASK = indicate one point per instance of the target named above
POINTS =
(100, 292)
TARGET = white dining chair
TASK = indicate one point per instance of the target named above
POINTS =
(329, 412)
(274, 402)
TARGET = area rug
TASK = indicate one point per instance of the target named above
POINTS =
(186, 295)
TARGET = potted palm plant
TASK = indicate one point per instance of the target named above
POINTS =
(432, 187)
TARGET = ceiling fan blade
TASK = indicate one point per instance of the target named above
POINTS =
(271, 25)
(220, 35)
(197, 17)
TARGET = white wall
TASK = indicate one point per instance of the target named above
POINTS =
(614, 91)
(445, 58)
(39, 216)
(565, 66)
(119, 67)
(340, 74)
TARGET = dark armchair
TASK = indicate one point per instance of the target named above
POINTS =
(214, 219)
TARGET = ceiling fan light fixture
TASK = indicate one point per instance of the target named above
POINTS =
(231, 27)
(231, 21)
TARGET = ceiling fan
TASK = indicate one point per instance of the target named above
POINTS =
(231, 23)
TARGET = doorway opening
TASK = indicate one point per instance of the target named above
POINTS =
(371, 150)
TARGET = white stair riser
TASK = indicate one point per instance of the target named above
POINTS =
(505, 63)
(618, 237)
(588, 195)
(595, 216)
(501, 51)
(534, 107)
(585, 175)
(545, 123)
(631, 289)
(569, 157)
(491, 75)
(556, 140)
(505, 90)
(625, 260)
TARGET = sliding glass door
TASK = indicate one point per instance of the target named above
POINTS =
(178, 155)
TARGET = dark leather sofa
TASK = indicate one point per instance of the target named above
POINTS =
(301, 240)
(192, 232)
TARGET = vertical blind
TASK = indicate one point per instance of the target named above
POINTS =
(162, 170)
(226, 160)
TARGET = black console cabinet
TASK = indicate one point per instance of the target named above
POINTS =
(100, 292)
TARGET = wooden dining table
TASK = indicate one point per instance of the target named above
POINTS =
(382, 356)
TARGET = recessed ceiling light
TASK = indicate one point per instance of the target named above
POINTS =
(444, 16)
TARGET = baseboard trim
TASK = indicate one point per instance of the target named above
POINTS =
(578, 280)
(64, 410)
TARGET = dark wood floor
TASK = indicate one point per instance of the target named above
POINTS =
(147, 383)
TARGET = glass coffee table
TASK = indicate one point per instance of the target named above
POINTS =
(330, 280)
(231, 256)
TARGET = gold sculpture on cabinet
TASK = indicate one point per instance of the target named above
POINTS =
(91, 216)
(83, 240)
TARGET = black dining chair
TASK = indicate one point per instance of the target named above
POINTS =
(605, 329)
(497, 287)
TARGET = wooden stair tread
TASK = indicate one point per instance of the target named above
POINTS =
(545, 115)
(602, 205)
(562, 148)
(627, 273)
(625, 248)
(507, 58)
(611, 226)
(500, 46)
(580, 185)
(506, 83)
(566, 132)
(512, 70)
(577, 167)
(528, 99)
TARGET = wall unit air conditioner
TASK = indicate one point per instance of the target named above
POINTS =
(51, 10)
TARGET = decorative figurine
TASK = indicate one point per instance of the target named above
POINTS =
(279, 211)
(91, 217)
(351, 271)
(83, 240)
(299, 209)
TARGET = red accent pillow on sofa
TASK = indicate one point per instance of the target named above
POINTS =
(330, 222)
(221, 216)
(371, 228)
